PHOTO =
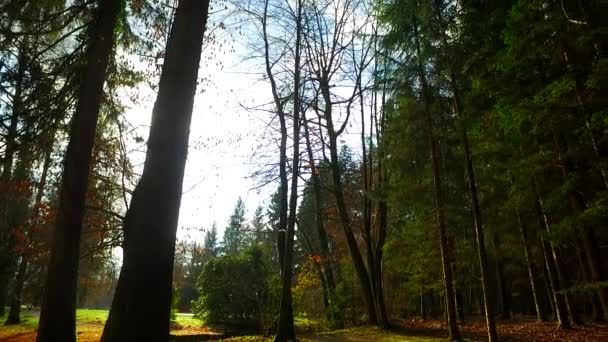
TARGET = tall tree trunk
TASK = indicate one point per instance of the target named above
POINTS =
(367, 205)
(14, 316)
(454, 333)
(477, 217)
(58, 312)
(586, 235)
(7, 256)
(552, 265)
(504, 296)
(379, 251)
(283, 186)
(382, 212)
(335, 312)
(142, 304)
(285, 329)
(530, 266)
(358, 263)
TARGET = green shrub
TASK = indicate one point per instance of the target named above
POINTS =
(238, 290)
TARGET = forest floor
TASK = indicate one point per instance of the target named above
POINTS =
(186, 328)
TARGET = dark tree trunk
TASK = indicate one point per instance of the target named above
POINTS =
(335, 312)
(58, 312)
(359, 264)
(286, 330)
(552, 266)
(586, 235)
(283, 187)
(378, 255)
(530, 266)
(477, 217)
(454, 333)
(367, 208)
(8, 258)
(142, 303)
(382, 216)
(504, 296)
(14, 316)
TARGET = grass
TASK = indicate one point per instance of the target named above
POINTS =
(306, 324)
(368, 333)
(91, 316)
(28, 323)
(90, 322)
(90, 325)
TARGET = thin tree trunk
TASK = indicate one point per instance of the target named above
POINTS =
(382, 212)
(286, 330)
(367, 218)
(540, 316)
(586, 236)
(335, 312)
(356, 257)
(142, 304)
(58, 312)
(552, 265)
(14, 316)
(549, 292)
(504, 297)
(7, 256)
(477, 217)
(283, 187)
(454, 333)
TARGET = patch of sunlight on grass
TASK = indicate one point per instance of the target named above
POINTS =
(91, 316)
(367, 333)
(188, 321)
(28, 324)
(305, 323)
(247, 339)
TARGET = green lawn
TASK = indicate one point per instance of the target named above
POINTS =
(89, 319)
(359, 334)
(29, 322)
(91, 322)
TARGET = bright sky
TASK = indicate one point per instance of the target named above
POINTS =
(226, 139)
(223, 139)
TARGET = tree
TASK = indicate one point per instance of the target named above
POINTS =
(258, 226)
(58, 312)
(235, 232)
(210, 243)
(151, 221)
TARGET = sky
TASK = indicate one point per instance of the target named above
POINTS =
(229, 141)
(223, 138)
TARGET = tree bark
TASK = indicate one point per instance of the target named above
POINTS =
(335, 312)
(58, 312)
(14, 316)
(285, 329)
(586, 235)
(359, 264)
(7, 256)
(552, 265)
(142, 303)
(540, 316)
(504, 297)
(454, 333)
(283, 187)
(477, 217)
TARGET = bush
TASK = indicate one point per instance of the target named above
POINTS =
(238, 290)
